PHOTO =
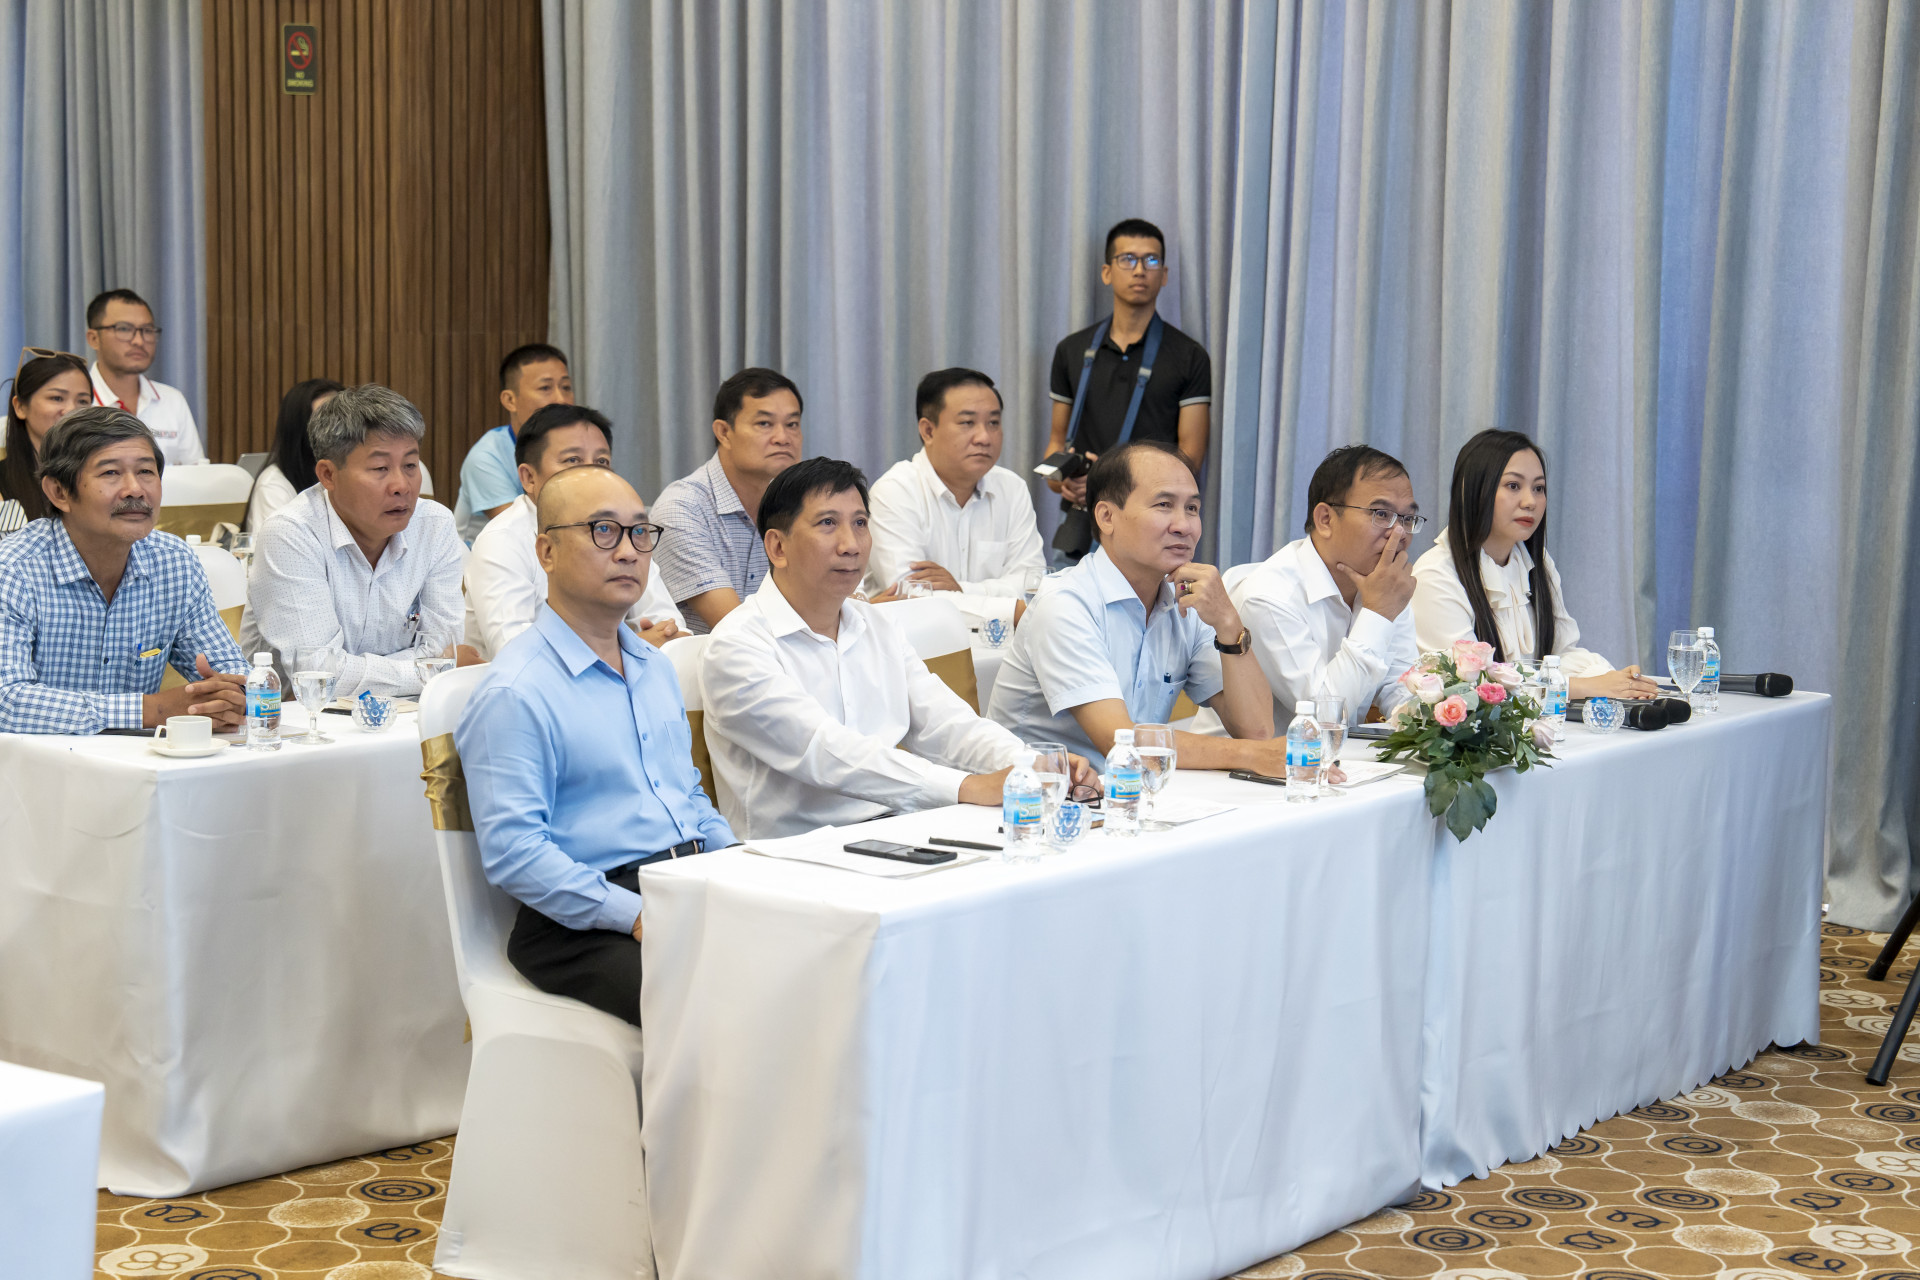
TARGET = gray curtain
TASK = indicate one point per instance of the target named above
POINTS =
(100, 174)
(1674, 241)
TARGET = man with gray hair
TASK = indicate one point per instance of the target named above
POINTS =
(357, 568)
(94, 605)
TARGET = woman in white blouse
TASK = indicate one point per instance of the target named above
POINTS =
(289, 469)
(1489, 576)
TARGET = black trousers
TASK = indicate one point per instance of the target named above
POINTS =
(594, 966)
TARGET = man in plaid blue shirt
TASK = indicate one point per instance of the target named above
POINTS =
(94, 604)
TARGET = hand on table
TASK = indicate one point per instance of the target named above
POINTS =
(1625, 683)
(984, 788)
(1081, 777)
(658, 633)
(933, 575)
(216, 694)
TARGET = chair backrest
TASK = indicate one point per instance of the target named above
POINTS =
(193, 499)
(686, 654)
(938, 632)
(225, 574)
(1232, 578)
(481, 915)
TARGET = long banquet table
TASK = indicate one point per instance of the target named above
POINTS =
(250, 951)
(1180, 1055)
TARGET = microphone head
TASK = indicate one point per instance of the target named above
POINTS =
(1678, 710)
(1647, 715)
(1773, 685)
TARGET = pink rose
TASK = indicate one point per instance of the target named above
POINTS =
(1428, 687)
(1398, 717)
(1451, 712)
(1471, 657)
(1507, 674)
(1542, 736)
(1491, 693)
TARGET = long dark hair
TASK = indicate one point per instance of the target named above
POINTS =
(292, 451)
(18, 478)
(1476, 482)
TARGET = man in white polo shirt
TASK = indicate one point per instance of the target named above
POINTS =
(124, 338)
(950, 516)
(505, 584)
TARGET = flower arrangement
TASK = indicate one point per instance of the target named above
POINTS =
(1467, 715)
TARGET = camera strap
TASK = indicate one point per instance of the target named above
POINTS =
(1154, 329)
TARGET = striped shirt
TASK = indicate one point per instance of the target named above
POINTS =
(73, 662)
(711, 540)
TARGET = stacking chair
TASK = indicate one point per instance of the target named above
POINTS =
(548, 1181)
(228, 579)
(1903, 1016)
(193, 499)
(939, 634)
(686, 653)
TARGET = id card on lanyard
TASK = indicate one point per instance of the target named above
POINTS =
(1154, 330)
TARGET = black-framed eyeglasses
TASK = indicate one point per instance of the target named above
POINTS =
(1385, 519)
(1128, 261)
(127, 332)
(606, 534)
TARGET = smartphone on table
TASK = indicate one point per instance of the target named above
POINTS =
(902, 852)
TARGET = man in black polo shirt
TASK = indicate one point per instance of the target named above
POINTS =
(1100, 400)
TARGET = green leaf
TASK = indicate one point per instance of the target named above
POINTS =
(1441, 791)
(1468, 812)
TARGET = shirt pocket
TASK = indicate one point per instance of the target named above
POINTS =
(986, 559)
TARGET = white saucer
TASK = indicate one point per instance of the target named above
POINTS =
(189, 753)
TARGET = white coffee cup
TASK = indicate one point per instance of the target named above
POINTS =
(186, 733)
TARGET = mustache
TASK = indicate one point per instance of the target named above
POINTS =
(127, 505)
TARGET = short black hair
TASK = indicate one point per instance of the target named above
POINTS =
(83, 433)
(784, 498)
(931, 397)
(1345, 467)
(755, 383)
(97, 309)
(527, 442)
(1137, 227)
(1111, 479)
(530, 353)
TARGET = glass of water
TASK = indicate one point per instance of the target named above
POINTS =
(1030, 585)
(315, 674)
(1330, 709)
(428, 668)
(1686, 660)
(242, 547)
(1154, 742)
(1050, 764)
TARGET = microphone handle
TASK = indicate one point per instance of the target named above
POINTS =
(1768, 684)
(1648, 715)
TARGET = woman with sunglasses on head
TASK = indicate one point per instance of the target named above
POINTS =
(1489, 577)
(289, 469)
(48, 386)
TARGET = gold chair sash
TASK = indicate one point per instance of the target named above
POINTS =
(446, 784)
(956, 669)
(199, 518)
(702, 758)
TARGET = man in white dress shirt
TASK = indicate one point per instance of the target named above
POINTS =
(950, 516)
(1331, 610)
(357, 565)
(505, 583)
(124, 338)
(818, 711)
(1113, 641)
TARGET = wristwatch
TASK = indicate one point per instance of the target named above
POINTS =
(1239, 646)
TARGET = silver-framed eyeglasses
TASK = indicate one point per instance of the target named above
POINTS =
(1128, 261)
(128, 332)
(606, 534)
(1383, 518)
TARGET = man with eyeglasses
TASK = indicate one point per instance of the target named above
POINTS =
(504, 583)
(1332, 610)
(124, 338)
(1131, 376)
(578, 754)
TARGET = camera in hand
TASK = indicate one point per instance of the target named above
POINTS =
(1065, 465)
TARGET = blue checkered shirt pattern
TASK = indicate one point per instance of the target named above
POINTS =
(70, 662)
(711, 540)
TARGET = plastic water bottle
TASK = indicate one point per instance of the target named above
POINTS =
(1706, 694)
(1124, 785)
(1553, 695)
(1306, 752)
(1021, 809)
(263, 705)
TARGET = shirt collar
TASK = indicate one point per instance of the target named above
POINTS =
(103, 394)
(69, 567)
(923, 467)
(1113, 585)
(1314, 574)
(1495, 576)
(574, 653)
(784, 620)
(725, 500)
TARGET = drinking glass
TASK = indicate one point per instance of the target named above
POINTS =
(428, 668)
(912, 590)
(1686, 660)
(241, 544)
(1030, 585)
(1330, 710)
(1154, 743)
(315, 673)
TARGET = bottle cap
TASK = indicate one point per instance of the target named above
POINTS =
(1303, 708)
(1552, 659)
(264, 659)
(1706, 633)
(193, 539)
(1122, 735)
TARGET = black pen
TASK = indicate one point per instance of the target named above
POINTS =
(965, 844)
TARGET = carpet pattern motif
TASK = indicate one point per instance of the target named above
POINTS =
(1789, 1167)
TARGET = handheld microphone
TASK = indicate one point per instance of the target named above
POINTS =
(1678, 710)
(1640, 715)
(1768, 684)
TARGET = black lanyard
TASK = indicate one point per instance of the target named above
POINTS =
(1154, 329)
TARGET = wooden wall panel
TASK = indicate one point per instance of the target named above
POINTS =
(390, 228)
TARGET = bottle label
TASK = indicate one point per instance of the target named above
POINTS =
(1020, 811)
(263, 704)
(1303, 755)
(1711, 670)
(1123, 784)
(1556, 702)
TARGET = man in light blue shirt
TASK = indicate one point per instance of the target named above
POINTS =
(1113, 641)
(531, 378)
(578, 754)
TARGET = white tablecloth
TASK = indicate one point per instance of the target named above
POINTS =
(49, 1149)
(1633, 922)
(250, 951)
(1169, 1058)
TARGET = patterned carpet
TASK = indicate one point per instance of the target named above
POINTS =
(1790, 1167)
